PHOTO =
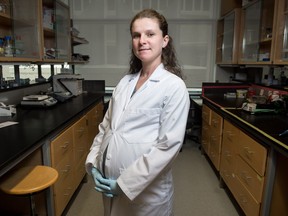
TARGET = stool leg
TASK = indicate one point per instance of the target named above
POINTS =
(32, 205)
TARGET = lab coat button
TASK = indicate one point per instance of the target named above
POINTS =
(108, 157)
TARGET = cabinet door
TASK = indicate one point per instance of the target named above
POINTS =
(228, 38)
(21, 21)
(281, 33)
(256, 33)
(56, 31)
(62, 30)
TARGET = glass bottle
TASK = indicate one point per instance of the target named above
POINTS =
(8, 51)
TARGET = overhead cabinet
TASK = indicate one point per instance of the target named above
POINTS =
(39, 31)
(281, 33)
(228, 38)
(253, 34)
(56, 31)
(256, 35)
(19, 20)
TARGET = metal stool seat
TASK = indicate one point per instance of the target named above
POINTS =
(29, 180)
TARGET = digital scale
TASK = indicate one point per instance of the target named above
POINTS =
(38, 100)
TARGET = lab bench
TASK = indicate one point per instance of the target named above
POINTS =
(247, 151)
(34, 139)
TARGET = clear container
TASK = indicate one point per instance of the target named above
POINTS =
(1, 47)
(8, 50)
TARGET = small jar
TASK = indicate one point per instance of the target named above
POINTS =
(8, 51)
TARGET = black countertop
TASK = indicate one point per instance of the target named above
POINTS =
(37, 124)
(264, 127)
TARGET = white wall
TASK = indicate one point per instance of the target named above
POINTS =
(105, 24)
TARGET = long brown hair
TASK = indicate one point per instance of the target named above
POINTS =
(168, 56)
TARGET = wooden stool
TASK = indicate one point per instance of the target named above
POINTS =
(29, 180)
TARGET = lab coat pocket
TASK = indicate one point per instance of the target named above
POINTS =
(141, 125)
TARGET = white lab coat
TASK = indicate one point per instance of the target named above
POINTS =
(145, 132)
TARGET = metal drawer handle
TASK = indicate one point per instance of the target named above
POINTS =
(230, 135)
(243, 199)
(80, 130)
(227, 154)
(248, 152)
(66, 170)
(65, 146)
(245, 177)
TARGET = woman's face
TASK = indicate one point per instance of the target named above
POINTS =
(147, 40)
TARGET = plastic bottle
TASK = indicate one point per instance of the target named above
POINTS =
(8, 51)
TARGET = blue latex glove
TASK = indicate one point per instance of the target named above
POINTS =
(99, 181)
(114, 188)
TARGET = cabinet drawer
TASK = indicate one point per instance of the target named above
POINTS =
(253, 153)
(61, 200)
(61, 146)
(248, 204)
(80, 139)
(215, 158)
(65, 171)
(250, 179)
(215, 143)
(227, 163)
(80, 131)
(215, 149)
(94, 118)
(63, 188)
(227, 172)
(79, 172)
(216, 123)
(227, 157)
(206, 114)
(205, 139)
(230, 133)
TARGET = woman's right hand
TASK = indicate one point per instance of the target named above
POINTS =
(98, 180)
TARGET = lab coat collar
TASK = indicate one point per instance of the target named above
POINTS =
(153, 79)
(155, 76)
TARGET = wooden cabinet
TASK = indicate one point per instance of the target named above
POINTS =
(20, 21)
(62, 161)
(281, 33)
(228, 38)
(56, 32)
(243, 166)
(212, 134)
(279, 198)
(39, 30)
(215, 139)
(68, 154)
(94, 118)
(206, 123)
(229, 151)
(80, 135)
(256, 38)
(258, 35)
